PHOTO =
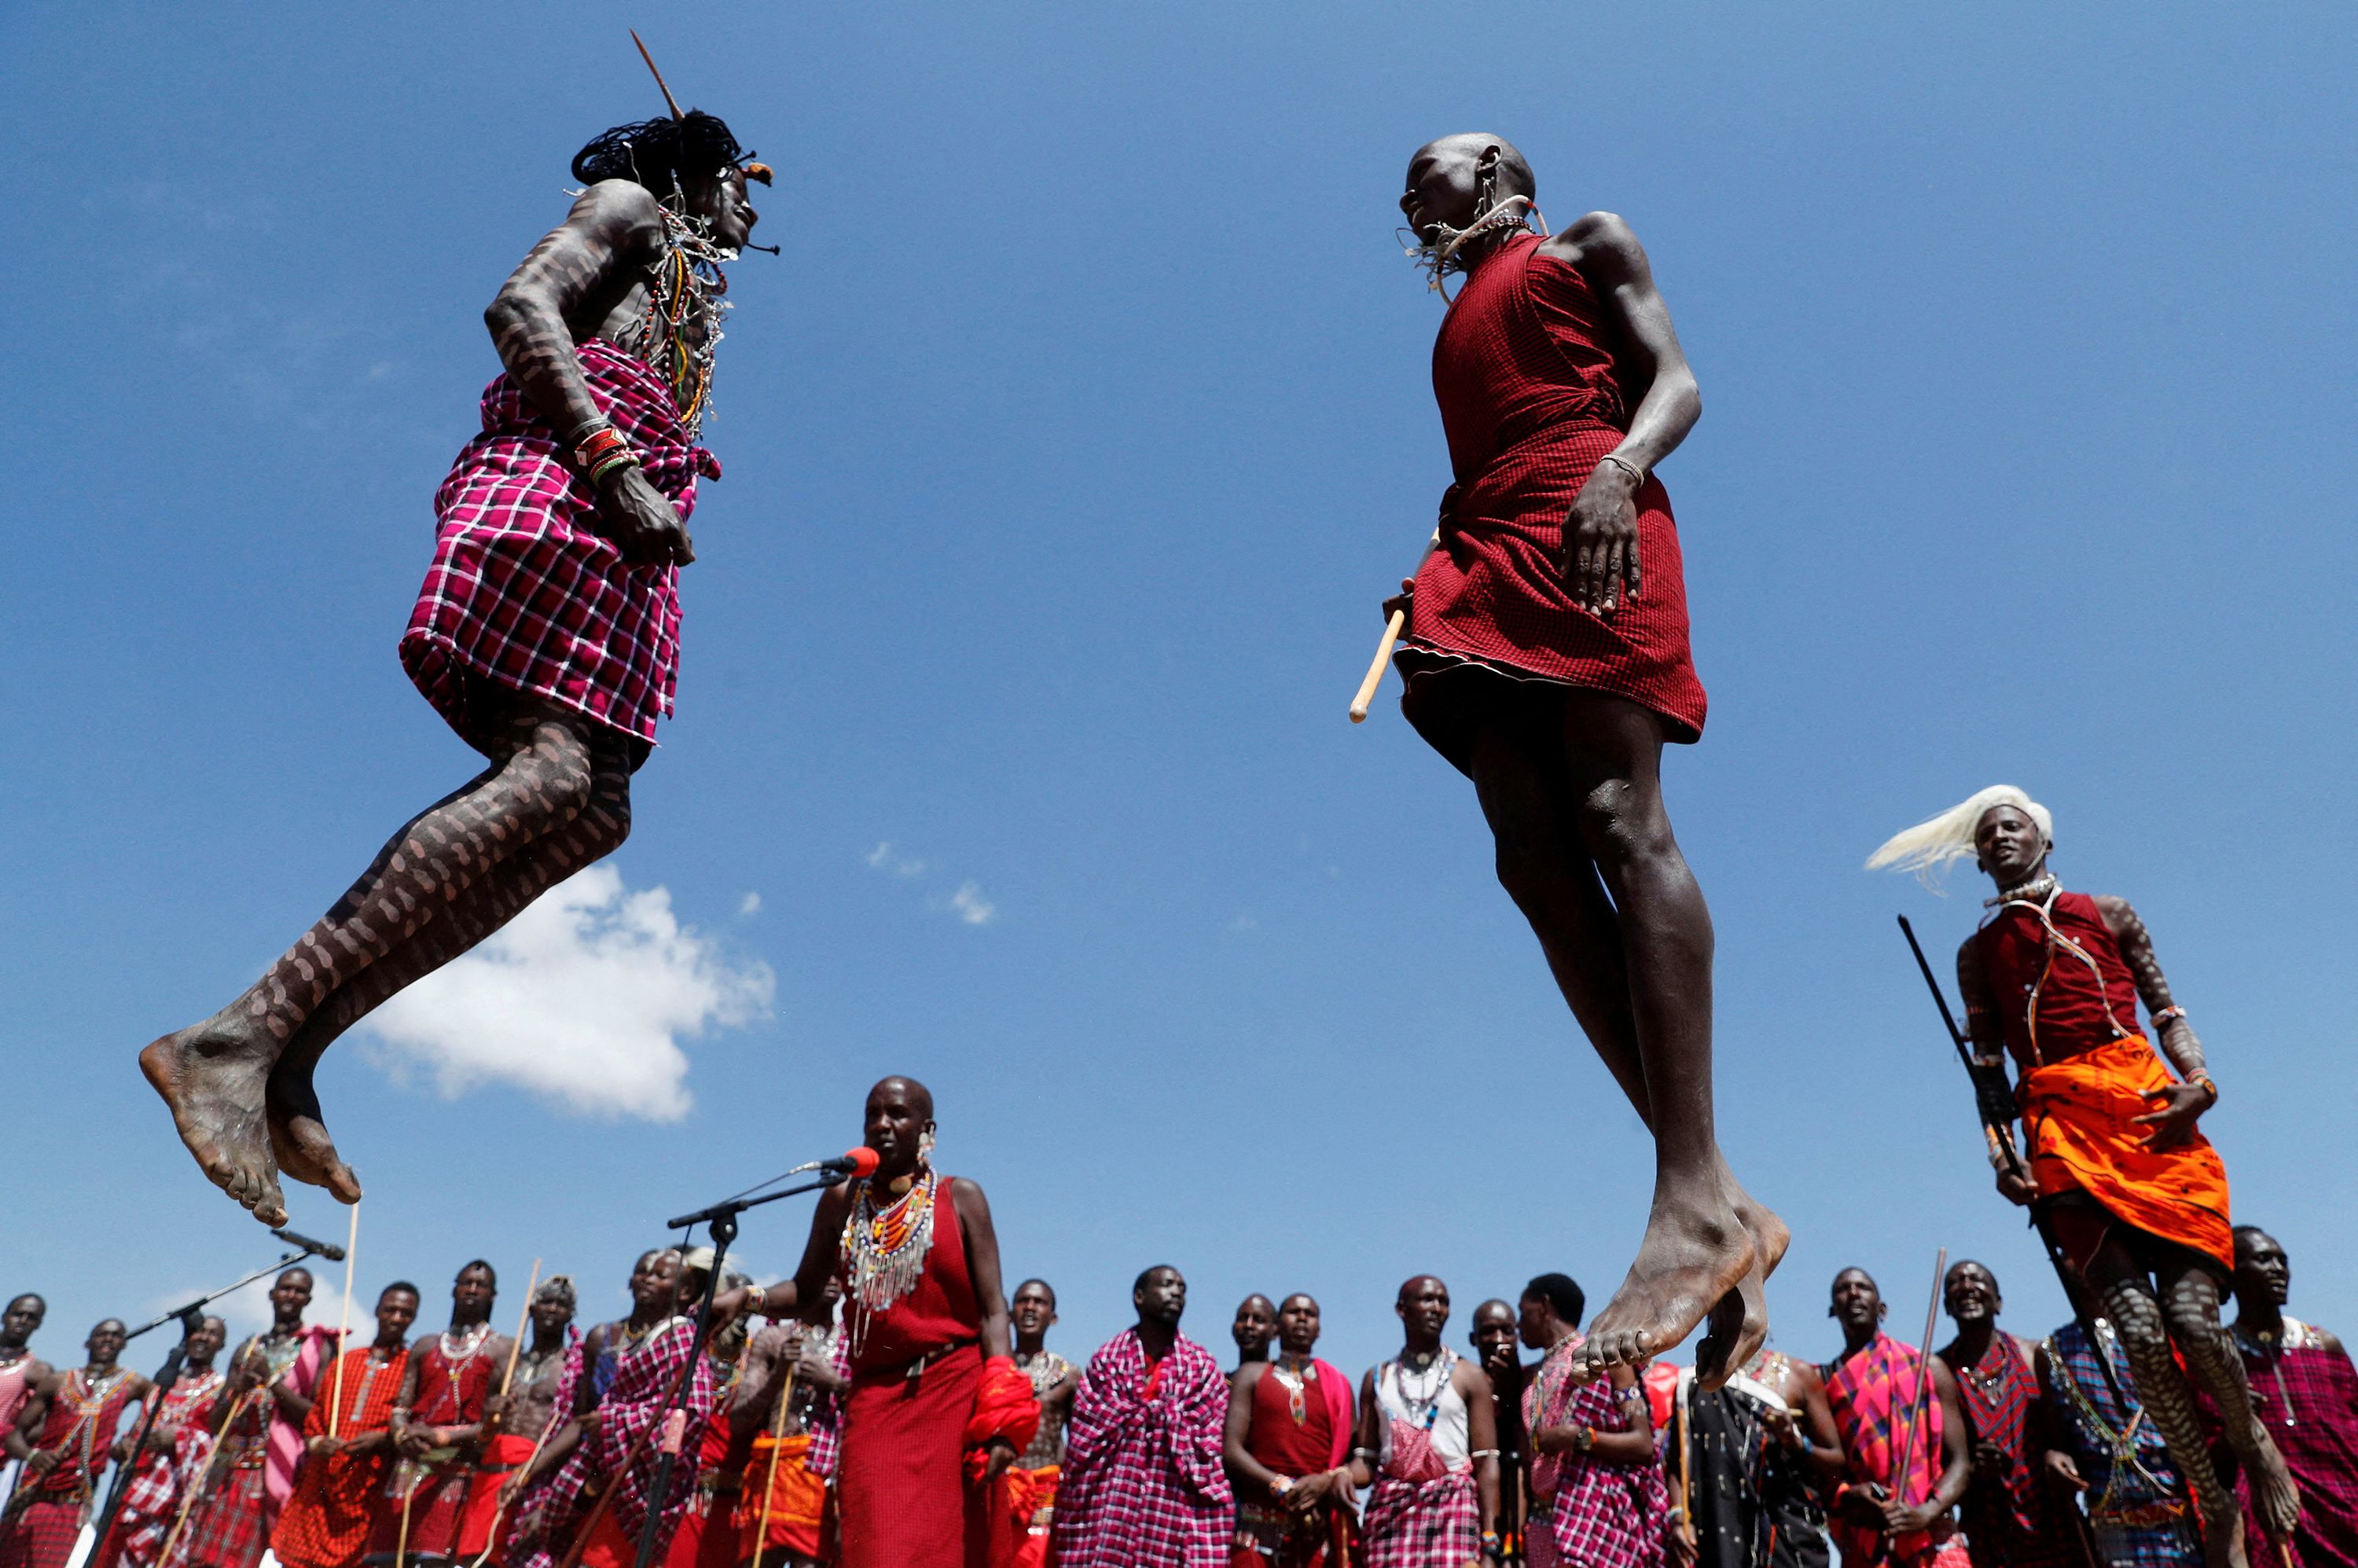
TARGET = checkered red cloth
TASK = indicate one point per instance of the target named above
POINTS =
(1420, 1524)
(229, 1524)
(1586, 1510)
(41, 1535)
(636, 1404)
(524, 593)
(1143, 1486)
(2305, 1392)
(1529, 390)
(153, 1498)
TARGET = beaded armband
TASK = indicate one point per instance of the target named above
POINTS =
(603, 452)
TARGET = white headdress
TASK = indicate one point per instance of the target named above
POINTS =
(1932, 844)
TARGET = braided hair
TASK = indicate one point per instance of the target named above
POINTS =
(663, 155)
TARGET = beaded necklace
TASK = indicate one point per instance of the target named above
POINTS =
(886, 1249)
(1295, 1380)
(686, 296)
(1424, 1407)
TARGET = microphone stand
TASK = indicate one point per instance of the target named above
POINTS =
(188, 1315)
(2001, 1143)
(720, 1219)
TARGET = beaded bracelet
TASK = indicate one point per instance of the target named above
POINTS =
(2199, 1076)
(623, 457)
(2166, 1017)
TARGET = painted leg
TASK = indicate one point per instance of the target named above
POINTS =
(2190, 1305)
(215, 1074)
(299, 1136)
(2129, 1301)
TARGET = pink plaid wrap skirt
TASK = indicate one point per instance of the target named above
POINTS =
(524, 593)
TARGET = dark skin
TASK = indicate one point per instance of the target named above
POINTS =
(1422, 1304)
(1493, 1332)
(1585, 845)
(1858, 1307)
(2263, 1285)
(551, 1316)
(19, 1324)
(555, 797)
(1970, 1292)
(1543, 1328)
(899, 1114)
(1031, 1314)
(396, 1314)
(103, 1350)
(1298, 1325)
(290, 1296)
(1162, 1302)
(2163, 1302)
(656, 1287)
(1254, 1330)
(472, 1295)
(198, 1349)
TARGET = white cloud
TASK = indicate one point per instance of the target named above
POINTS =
(749, 905)
(884, 857)
(969, 904)
(246, 1310)
(582, 1000)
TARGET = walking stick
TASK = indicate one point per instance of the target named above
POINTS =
(778, 1441)
(204, 1477)
(1393, 628)
(344, 1331)
(2001, 1145)
(524, 1321)
(1909, 1420)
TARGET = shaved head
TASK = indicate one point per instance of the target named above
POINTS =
(1515, 177)
(916, 1096)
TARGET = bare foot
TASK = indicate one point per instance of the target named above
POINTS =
(2273, 1497)
(1770, 1236)
(212, 1075)
(297, 1137)
(1694, 1254)
(1736, 1329)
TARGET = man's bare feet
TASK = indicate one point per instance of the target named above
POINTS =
(2275, 1497)
(1770, 1236)
(1694, 1255)
(212, 1075)
(297, 1137)
(1733, 1334)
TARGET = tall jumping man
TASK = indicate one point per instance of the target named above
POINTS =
(1546, 657)
(2136, 1196)
(546, 634)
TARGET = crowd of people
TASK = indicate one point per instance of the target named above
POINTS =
(896, 1409)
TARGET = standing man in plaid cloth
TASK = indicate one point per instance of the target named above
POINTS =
(235, 1496)
(1429, 1444)
(546, 634)
(1143, 1486)
(178, 1441)
(2305, 1392)
(71, 1417)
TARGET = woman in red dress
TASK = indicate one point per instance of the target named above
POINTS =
(1546, 657)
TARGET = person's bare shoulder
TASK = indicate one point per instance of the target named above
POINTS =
(1592, 236)
(1470, 1378)
(2115, 910)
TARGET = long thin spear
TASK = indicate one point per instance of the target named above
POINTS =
(668, 99)
(2001, 1145)
(1907, 1420)
(344, 1332)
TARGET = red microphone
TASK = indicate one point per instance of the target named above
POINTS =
(850, 1163)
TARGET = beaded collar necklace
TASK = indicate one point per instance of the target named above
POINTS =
(686, 296)
(884, 1250)
(2037, 891)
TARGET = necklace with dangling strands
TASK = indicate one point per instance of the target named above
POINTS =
(1439, 255)
(1424, 1406)
(686, 296)
(886, 1249)
(1297, 1378)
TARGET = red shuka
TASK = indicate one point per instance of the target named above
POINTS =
(1529, 388)
(901, 1489)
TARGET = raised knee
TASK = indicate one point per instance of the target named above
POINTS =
(1621, 829)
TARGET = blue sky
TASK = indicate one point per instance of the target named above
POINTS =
(1069, 448)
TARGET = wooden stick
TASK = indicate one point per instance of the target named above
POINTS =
(777, 1440)
(1393, 628)
(524, 1321)
(672, 103)
(400, 1540)
(1899, 1480)
(1686, 1439)
(344, 1332)
(500, 1503)
(203, 1479)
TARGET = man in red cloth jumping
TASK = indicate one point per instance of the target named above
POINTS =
(546, 634)
(2136, 1197)
(1546, 657)
(937, 1407)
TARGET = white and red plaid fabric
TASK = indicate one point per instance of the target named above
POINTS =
(1143, 1486)
(152, 1499)
(1422, 1524)
(522, 592)
(1588, 1510)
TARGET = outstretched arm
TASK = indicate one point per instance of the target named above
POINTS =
(2173, 1121)
(1601, 535)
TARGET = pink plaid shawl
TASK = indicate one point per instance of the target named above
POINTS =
(1586, 1510)
(1143, 1486)
(524, 591)
(638, 1403)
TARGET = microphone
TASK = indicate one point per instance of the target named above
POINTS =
(329, 1250)
(860, 1162)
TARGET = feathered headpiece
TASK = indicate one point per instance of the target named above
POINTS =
(557, 1288)
(1931, 846)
